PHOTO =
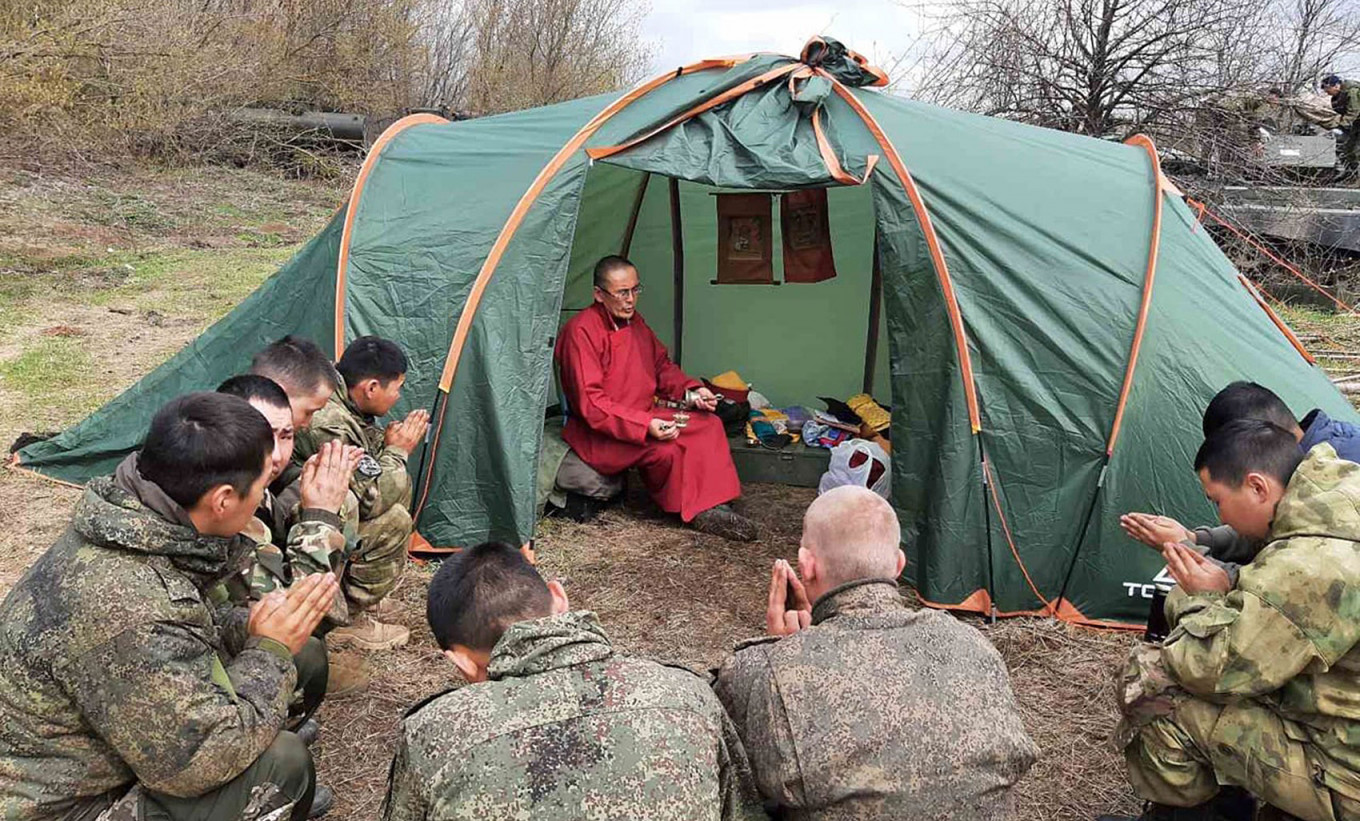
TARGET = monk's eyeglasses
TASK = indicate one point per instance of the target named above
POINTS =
(626, 292)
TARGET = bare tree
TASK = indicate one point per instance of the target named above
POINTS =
(535, 52)
(1097, 67)
(1310, 38)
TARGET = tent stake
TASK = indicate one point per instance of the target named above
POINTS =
(678, 257)
(633, 217)
(875, 310)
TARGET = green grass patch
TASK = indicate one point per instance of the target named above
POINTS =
(51, 367)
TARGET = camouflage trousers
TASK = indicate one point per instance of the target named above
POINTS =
(1179, 749)
(279, 786)
(376, 565)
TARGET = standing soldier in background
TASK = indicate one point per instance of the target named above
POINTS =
(1345, 96)
(371, 375)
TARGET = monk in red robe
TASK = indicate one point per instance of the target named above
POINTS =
(613, 369)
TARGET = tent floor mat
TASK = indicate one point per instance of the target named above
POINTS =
(797, 464)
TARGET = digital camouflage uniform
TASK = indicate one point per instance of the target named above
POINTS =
(878, 711)
(315, 543)
(115, 669)
(1260, 688)
(566, 729)
(384, 518)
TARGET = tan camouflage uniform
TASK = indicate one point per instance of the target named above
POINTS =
(115, 669)
(878, 711)
(384, 519)
(565, 730)
(1260, 688)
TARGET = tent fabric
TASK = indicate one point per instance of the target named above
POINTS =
(471, 242)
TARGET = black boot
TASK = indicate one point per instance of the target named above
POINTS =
(1231, 804)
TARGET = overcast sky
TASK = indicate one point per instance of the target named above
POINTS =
(683, 31)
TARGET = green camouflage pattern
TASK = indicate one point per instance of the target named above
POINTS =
(568, 729)
(115, 669)
(383, 525)
(1271, 669)
(878, 711)
(341, 419)
(315, 544)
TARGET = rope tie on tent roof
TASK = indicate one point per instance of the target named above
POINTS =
(1204, 210)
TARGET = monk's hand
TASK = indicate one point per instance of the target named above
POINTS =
(662, 430)
(789, 609)
(1154, 531)
(325, 476)
(289, 618)
(1193, 572)
(705, 399)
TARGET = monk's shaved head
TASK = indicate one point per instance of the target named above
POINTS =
(854, 534)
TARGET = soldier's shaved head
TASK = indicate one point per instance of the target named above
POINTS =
(854, 534)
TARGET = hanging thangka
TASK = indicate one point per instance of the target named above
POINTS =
(807, 236)
(745, 237)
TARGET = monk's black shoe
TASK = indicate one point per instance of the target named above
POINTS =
(726, 523)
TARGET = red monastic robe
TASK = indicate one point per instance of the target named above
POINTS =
(611, 374)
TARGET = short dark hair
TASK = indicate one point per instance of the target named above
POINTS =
(202, 440)
(1246, 400)
(296, 364)
(480, 592)
(608, 265)
(253, 387)
(1330, 80)
(372, 357)
(1249, 446)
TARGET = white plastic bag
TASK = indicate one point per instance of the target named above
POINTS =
(840, 472)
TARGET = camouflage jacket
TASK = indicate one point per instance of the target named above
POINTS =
(114, 668)
(341, 419)
(1287, 633)
(878, 711)
(316, 543)
(567, 729)
(1347, 103)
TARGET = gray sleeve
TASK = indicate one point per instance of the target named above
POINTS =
(1225, 544)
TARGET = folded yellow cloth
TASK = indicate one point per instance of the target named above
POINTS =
(870, 412)
(730, 380)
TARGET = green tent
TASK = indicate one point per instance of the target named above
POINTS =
(1054, 317)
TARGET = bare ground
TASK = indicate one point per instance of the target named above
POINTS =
(198, 242)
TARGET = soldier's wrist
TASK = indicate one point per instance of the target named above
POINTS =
(398, 450)
(321, 515)
(272, 646)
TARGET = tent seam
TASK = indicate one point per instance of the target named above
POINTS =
(346, 234)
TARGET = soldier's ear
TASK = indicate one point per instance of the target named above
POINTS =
(467, 663)
(560, 604)
(1259, 485)
(807, 565)
(901, 562)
